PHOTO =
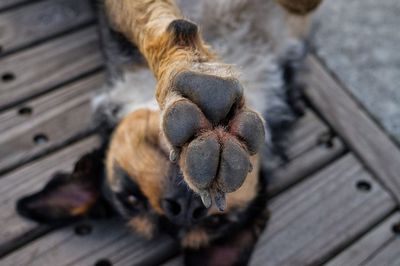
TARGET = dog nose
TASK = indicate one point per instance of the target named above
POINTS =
(184, 210)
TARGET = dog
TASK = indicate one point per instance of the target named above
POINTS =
(188, 160)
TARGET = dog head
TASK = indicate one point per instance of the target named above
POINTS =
(134, 177)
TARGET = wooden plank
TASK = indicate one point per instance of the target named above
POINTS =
(108, 241)
(317, 218)
(34, 22)
(358, 130)
(42, 68)
(389, 256)
(58, 116)
(369, 246)
(29, 178)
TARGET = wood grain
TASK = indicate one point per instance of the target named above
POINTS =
(319, 217)
(29, 178)
(109, 240)
(48, 65)
(60, 116)
(31, 23)
(369, 246)
(357, 129)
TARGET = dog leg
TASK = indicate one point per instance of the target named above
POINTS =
(210, 130)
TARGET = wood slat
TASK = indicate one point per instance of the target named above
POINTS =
(60, 116)
(34, 22)
(358, 130)
(43, 67)
(109, 241)
(372, 245)
(30, 178)
(320, 216)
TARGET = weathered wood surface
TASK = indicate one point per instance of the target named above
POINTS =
(58, 116)
(373, 248)
(309, 148)
(108, 241)
(29, 178)
(363, 136)
(43, 67)
(322, 215)
(34, 22)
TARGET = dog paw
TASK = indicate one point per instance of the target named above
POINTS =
(212, 134)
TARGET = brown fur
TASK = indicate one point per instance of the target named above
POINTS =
(145, 23)
(195, 239)
(143, 226)
(136, 148)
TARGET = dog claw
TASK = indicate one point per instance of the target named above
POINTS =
(220, 200)
(173, 156)
(205, 198)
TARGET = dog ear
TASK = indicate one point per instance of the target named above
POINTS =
(66, 197)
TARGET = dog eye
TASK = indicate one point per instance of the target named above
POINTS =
(132, 199)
